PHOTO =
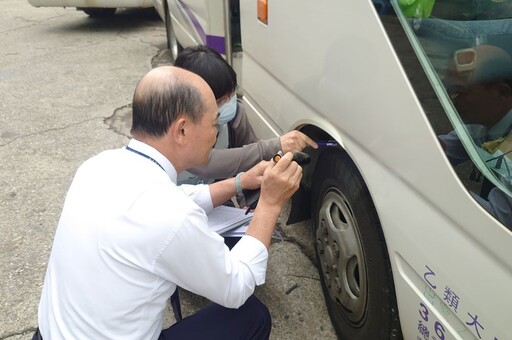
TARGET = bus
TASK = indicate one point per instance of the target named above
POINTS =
(409, 195)
(94, 9)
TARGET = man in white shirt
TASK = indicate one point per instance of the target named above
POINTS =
(128, 235)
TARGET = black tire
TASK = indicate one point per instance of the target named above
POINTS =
(172, 43)
(99, 12)
(352, 255)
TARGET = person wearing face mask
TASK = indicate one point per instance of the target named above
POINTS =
(228, 128)
(237, 148)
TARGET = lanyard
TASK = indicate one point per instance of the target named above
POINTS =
(145, 156)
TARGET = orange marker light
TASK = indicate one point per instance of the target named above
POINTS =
(263, 11)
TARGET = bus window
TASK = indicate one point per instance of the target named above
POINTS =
(465, 49)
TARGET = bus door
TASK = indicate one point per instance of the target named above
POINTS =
(215, 23)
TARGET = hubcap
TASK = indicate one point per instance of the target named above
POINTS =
(341, 255)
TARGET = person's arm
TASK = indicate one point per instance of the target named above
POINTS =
(229, 162)
(197, 259)
(453, 147)
(221, 191)
(224, 163)
(279, 183)
(213, 195)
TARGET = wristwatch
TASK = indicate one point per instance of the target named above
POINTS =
(238, 185)
(240, 197)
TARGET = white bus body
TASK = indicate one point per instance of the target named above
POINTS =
(404, 247)
(92, 4)
(96, 8)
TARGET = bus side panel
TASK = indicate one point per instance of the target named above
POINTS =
(329, 63)
(199, 22)
(443, 276)
(88, 3)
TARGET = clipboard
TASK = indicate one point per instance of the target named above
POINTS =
(223, 219)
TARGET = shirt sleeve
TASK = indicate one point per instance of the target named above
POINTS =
(198, 260)
(240, 130)
(250, 251)
(225, 163)
(453, 147)
(200, 194)
(498, 204)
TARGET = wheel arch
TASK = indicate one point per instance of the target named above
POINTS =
(301, 201)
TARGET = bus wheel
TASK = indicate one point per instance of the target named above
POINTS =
(351, 251)
(99, 12)
(172, 42)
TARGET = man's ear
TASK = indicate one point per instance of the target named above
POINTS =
(179, 129)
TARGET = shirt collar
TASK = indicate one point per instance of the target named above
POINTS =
(501, 128)
(156, 155)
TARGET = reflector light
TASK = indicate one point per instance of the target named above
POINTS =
(263, 11)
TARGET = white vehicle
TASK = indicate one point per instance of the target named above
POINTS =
(97, 8)
(203, 22)
(408, 245)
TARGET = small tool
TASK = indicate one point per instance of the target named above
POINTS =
(300, 157)
(252, 196)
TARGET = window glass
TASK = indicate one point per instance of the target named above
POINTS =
(465, 48)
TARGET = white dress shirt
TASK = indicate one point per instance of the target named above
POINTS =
(126, 237)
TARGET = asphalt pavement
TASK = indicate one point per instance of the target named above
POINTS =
(67, 82)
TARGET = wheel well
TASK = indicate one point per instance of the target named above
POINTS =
(301, 201)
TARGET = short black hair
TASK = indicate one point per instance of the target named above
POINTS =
(211, 66)
(154, 108)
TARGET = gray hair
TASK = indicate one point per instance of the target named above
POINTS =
(159, 101)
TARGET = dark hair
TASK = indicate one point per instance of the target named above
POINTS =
(209, 65)
(155, 107)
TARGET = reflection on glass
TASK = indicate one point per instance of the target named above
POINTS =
(466, 46)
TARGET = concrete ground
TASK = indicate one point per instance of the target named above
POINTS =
(66, 82)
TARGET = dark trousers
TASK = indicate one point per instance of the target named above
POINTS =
(37, 335)
(231, 241)
(250, 321)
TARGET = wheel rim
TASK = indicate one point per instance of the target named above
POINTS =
(341, 256)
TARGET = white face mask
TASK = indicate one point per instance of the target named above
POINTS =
(227, 111)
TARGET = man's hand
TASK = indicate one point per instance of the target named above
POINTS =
(251, 179)
(295, 141)
(280, 181)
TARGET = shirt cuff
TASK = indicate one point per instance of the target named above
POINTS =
(253, 253)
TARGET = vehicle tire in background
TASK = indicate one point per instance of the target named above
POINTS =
(172, 42)
(353, 261)
(99, 12)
